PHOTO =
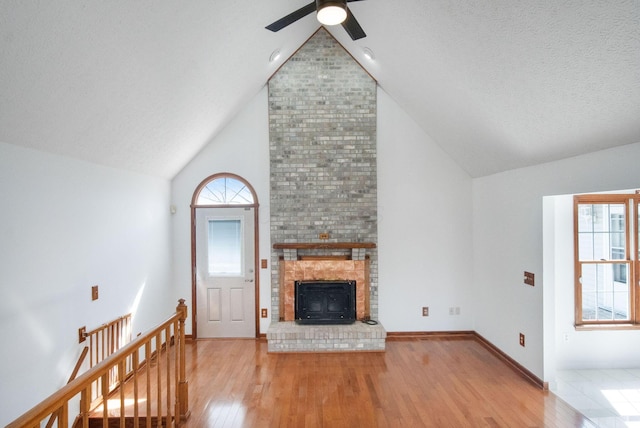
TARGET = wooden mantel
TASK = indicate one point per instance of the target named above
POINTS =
(322, 245)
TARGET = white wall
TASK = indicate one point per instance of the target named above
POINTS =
(424, 228)
(66, 225)
(508, 239)
(242, 148)
(426, 264)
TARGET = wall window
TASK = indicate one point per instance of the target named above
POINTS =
(224, 190)
(606, 260)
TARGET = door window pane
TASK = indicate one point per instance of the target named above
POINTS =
(225, 247)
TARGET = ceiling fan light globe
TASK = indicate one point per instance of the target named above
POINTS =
(332, 13)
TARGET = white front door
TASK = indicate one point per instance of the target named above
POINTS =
(225, 277)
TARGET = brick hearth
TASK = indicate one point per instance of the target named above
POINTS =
(287, 336)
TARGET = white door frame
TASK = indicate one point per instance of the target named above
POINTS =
(194, 206)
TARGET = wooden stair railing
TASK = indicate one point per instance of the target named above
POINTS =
(108, 338)
(104, 341)
(157, 357)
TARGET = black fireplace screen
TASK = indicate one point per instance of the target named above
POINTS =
(325, 302)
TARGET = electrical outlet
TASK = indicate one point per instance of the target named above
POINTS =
(521, 339)
(263, 312)
(457, 310)
(263, 263)
(451, 311)
(82, 334)
(94, 292)
(324, 236)
(425, 311)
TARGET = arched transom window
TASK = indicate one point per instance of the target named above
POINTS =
(225, 190)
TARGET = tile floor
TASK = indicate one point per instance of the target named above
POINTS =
(609, 398)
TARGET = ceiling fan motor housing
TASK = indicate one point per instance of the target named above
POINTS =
(331, 12)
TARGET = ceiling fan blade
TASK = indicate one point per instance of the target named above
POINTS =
(292, 17)
(352, 27)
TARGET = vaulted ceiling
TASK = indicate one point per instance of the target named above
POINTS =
(144, 85)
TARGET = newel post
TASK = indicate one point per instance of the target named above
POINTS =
(183, 385)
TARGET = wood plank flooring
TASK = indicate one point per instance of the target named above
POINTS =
(415, 383)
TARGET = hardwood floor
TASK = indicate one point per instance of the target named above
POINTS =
(415, 383)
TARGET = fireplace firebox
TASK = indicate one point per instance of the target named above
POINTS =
(325, 302)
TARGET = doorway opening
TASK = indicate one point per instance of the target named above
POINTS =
(224, 256)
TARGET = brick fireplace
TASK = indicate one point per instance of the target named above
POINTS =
(355, 267)
(323, 186)
(287, 336)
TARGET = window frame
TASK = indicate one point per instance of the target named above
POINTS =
(631, 258)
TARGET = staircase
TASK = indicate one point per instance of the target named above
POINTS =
(150, 373)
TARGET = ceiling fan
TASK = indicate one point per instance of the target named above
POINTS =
(328, 13)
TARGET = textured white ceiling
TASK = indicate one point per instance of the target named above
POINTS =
(145, 85)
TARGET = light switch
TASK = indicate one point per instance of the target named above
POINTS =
(529, 278)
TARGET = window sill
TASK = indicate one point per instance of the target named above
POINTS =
(596, 327)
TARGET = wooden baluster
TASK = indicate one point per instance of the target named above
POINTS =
(176, 371)
(119, 334)
(182, 393)
(121, 387)
(110, 335)
(113, 375)
(63, 415)
(102, 356)
(94, 360)
(92, 355)
(167, 338)
(85, 406)
(104, 346)
(126, 332)
(105, 400)
(91, 344)
(134, 370)
(159, 377)
(147, 357)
